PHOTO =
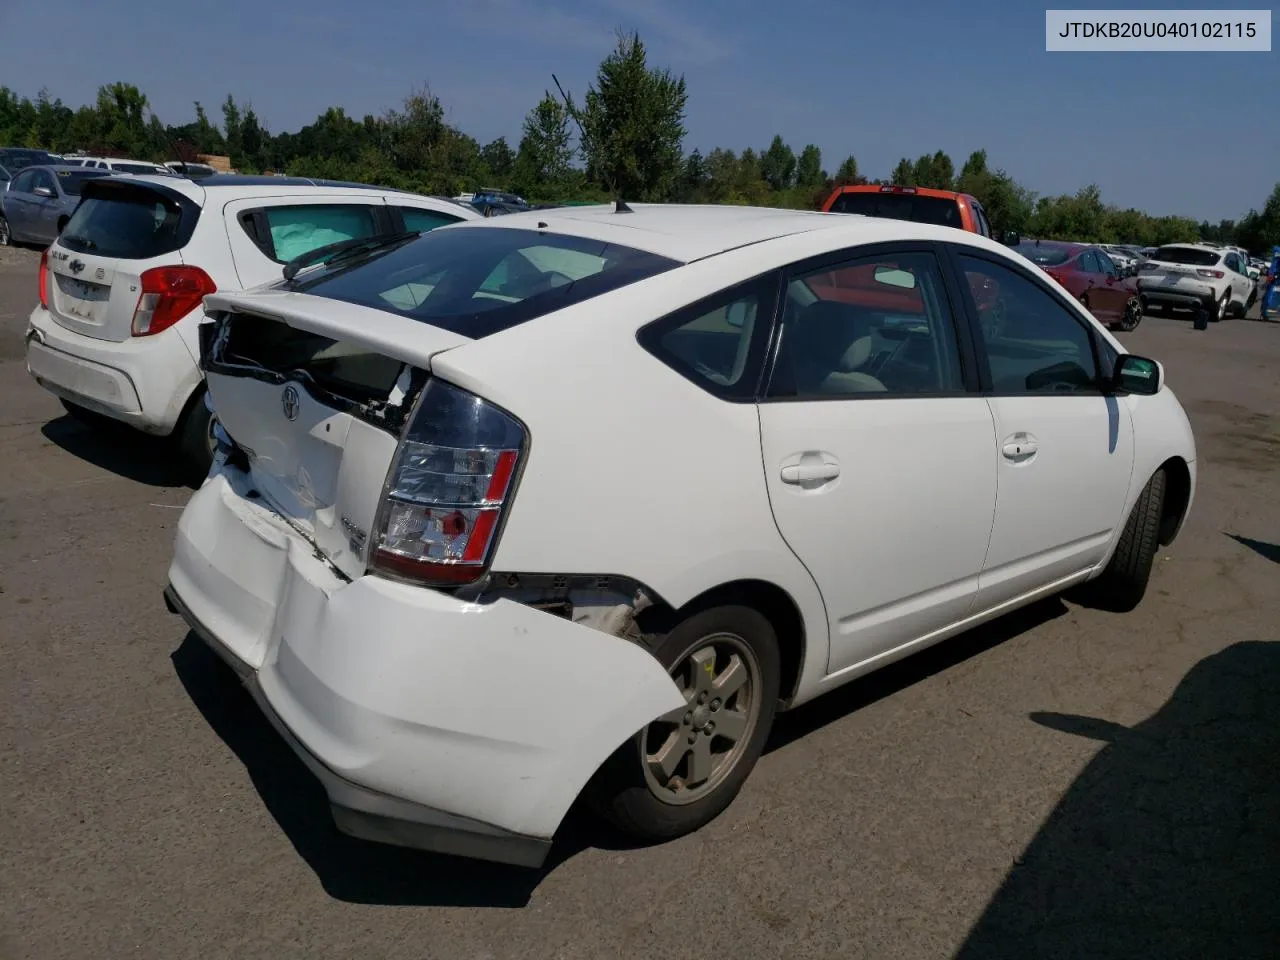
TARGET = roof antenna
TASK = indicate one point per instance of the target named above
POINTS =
(619, 205)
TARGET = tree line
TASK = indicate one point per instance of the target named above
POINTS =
(625, 138)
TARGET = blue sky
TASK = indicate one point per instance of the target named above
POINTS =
(1168, 133)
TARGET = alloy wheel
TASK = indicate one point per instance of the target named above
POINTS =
(5, 237)
(690, 751)
(1132, 315)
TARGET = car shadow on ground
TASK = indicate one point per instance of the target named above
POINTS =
(352, 870)
(127, 453)
(895, 677)
(1168, 843)
(1268, 551)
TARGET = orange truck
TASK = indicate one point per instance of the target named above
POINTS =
(946, 208)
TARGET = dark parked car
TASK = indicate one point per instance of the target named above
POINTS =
(14, 159)
(1090, 276)
(39, 202)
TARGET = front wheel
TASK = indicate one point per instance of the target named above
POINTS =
(1123, 584)
(683, 769)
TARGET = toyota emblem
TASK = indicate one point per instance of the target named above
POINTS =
(290, 402)
(76, 266)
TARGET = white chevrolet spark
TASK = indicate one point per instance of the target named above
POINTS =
(574, 501)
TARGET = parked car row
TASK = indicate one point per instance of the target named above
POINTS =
(643, 475)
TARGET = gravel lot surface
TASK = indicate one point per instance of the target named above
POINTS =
(1062, 783)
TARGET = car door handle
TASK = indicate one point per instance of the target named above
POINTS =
(810, 468)
(1020, 446)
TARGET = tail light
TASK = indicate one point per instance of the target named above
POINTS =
(44, 279)
(168, 295)
(452, 478)
(1057, 277)
(1216, 274)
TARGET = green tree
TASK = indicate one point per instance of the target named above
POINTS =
(633, 124)
(253, 141)
(1260, 232)
(546, 151)
(778, 165)
(499, 158)
(232, 126)
(809, 173)
(695, 178)
(904, 174)
(848, 172)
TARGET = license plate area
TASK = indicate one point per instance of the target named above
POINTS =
(80, 298)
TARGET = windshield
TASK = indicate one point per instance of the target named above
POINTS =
(900, 206)
(475, 281)
(73, 180)
(1043, 255)
(1188, 255)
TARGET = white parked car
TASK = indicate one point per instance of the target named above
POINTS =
(577, 499)
(119, 165)
(1198, 276)
(115, 332)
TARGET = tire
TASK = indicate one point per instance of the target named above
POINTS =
(195, 436)
(6, 235)
(1223, 309)
(633, 793)
(1122, 585)
(1132, 315)
(1202, 318)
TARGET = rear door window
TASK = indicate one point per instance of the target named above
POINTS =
(295, 230)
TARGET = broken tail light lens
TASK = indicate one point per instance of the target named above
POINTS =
(452, 479)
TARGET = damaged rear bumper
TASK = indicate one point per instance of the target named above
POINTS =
(458, 727)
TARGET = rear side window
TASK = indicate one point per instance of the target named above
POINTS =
(420, 221)
(480, 281)
(129, 224)
(901, 206)
(1188, 255)
(296, 230)
(133, 167)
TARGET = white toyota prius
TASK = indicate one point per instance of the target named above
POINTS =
(575, 501)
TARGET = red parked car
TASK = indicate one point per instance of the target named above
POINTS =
(1091, 277)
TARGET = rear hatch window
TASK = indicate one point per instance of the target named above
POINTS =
(901, 206)
(476, 281)
(1188, 255)
(128, 221)
(1044, 256)
(121, 229)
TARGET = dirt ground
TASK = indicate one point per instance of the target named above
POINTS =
(1062, 783)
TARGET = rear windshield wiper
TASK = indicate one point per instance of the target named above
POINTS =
(344, 249)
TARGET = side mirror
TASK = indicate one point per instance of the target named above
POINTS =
(1138, 375)
(44, 192)
(1011, 238)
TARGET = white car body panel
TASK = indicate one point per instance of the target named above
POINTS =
(382, 713)
(896, 541)
(631, 470)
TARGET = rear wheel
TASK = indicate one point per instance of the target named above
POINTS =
(1122, 585)
(195, 435)
(6, 237)
(685, 768)
(1132, 315)
(1223, 308)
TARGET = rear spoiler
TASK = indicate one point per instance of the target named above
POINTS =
(115, 186)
